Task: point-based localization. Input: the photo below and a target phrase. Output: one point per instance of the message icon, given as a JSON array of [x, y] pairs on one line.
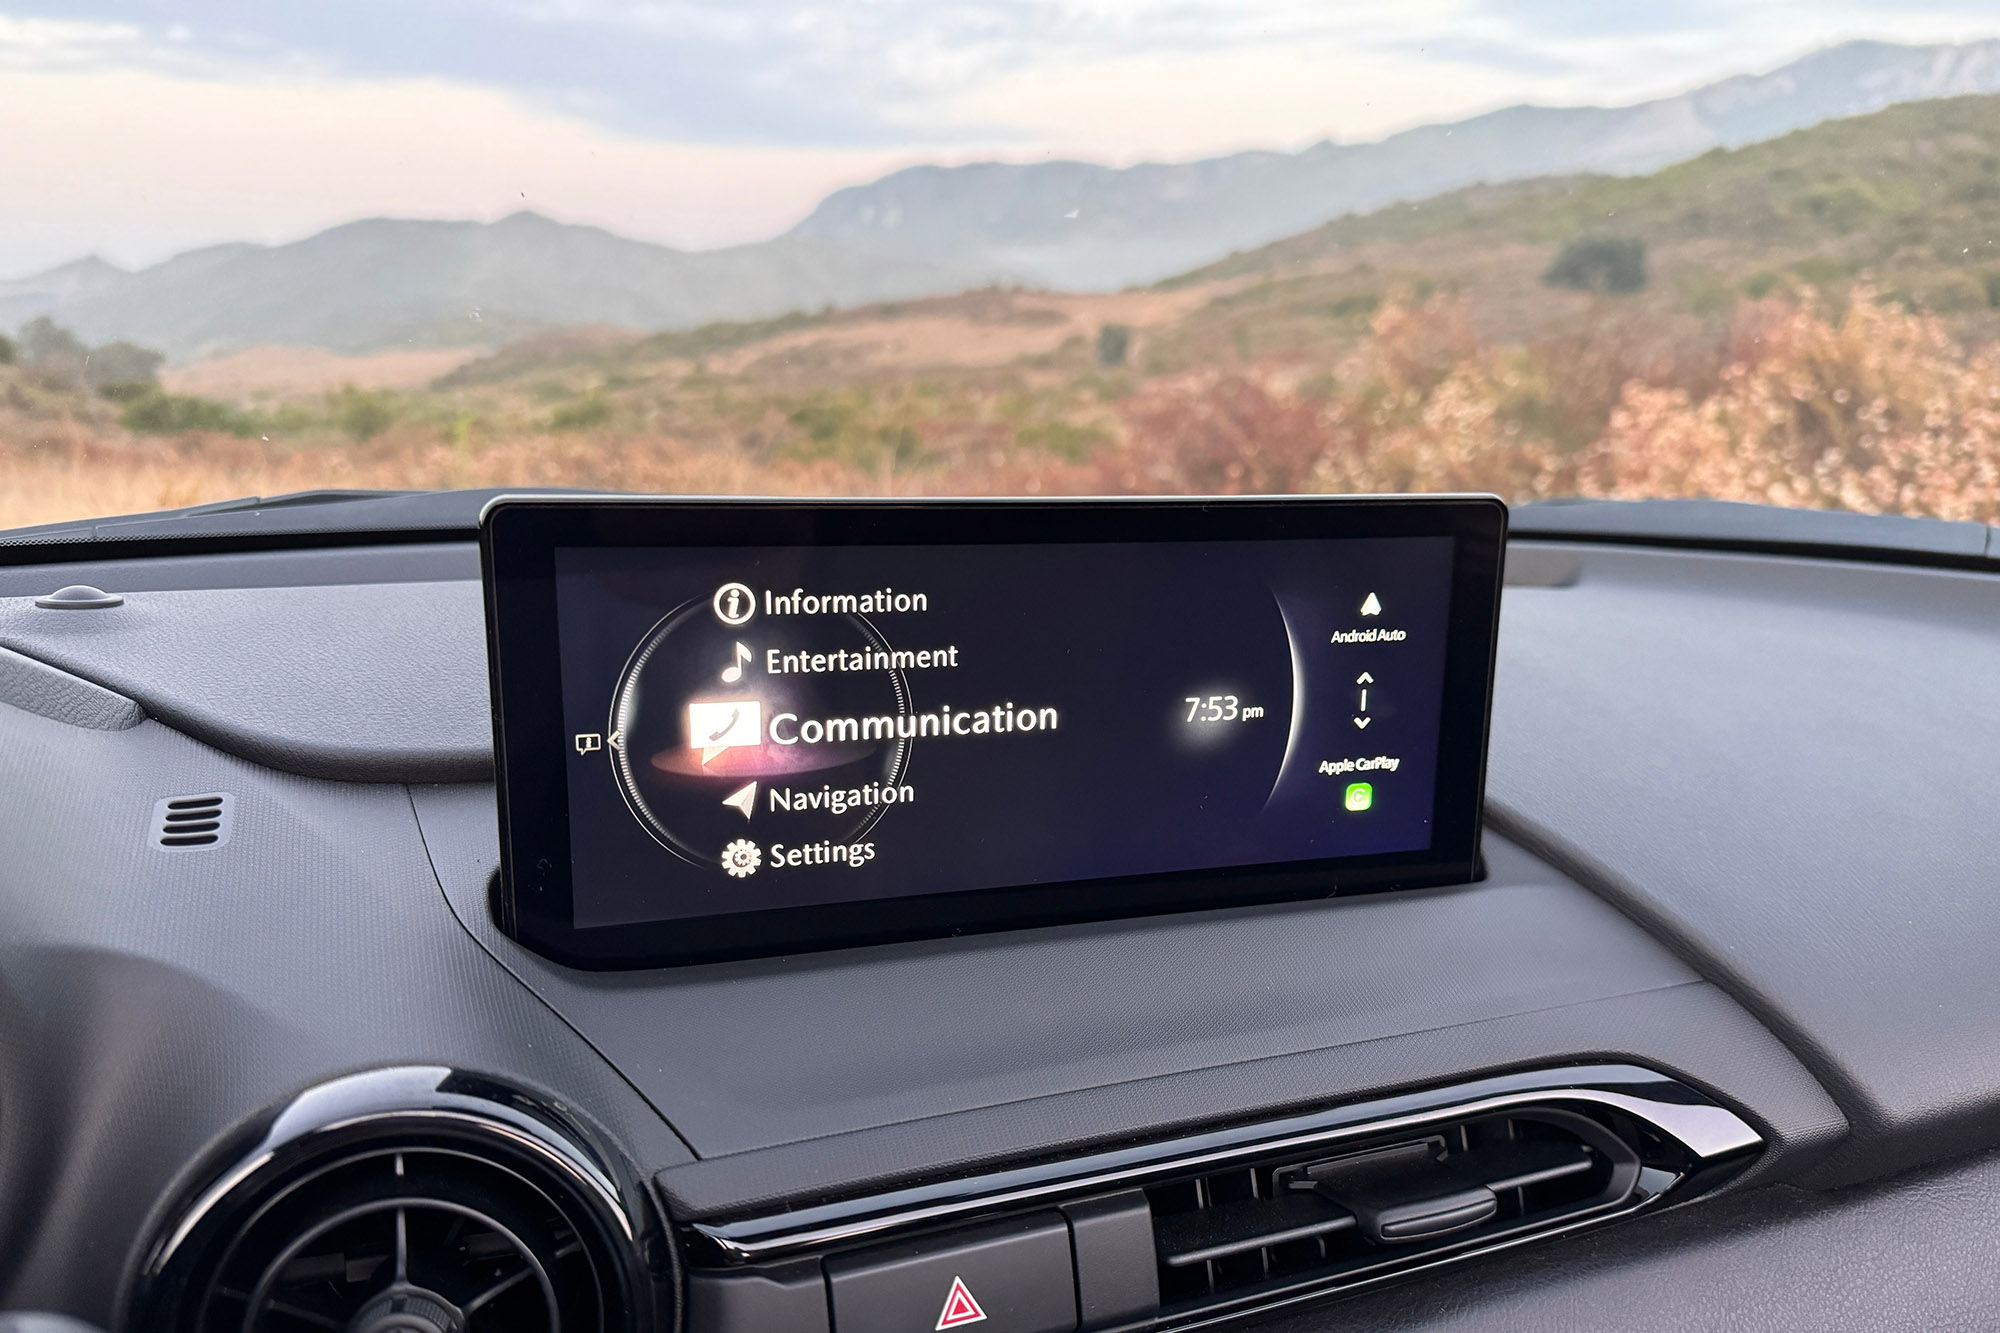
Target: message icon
[[715, 727]]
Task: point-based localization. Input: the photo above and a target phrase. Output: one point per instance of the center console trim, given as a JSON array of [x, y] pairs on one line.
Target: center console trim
[[1715, 1136]]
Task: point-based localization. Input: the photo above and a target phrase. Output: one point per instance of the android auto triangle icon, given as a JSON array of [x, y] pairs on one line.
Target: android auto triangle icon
[[959, 1307]]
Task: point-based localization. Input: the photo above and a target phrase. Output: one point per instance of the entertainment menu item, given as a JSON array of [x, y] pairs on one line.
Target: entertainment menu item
[[737, 728]]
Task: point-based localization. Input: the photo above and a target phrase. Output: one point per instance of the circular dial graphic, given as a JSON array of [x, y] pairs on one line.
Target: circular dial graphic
[[700, 714]]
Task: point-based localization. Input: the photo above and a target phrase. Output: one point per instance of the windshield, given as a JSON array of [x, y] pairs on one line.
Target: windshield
[[1541, 248]]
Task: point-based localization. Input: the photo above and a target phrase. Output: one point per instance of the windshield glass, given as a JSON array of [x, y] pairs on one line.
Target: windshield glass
[[1536, 247]]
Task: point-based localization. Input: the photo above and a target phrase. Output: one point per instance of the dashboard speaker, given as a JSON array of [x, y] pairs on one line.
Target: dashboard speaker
[[183, 823], [459, 1211]]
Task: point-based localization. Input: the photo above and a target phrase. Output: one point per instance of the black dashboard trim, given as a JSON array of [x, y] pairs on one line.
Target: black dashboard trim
[[1714, 1135]]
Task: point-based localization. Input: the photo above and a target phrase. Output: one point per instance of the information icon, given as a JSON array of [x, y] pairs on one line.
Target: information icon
[[734, 604]]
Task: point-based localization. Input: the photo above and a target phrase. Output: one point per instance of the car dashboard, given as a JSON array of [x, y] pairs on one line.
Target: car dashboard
[[1714, 1040]]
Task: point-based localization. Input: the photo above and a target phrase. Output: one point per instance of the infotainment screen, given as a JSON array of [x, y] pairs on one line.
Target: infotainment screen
[[735, 728]]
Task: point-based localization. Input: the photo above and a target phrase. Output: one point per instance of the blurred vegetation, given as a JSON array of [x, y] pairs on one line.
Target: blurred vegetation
[[586, 413], [1599, 264], [1113, 342], [156, 413], [57, 357], [361, 415], [121, 368]]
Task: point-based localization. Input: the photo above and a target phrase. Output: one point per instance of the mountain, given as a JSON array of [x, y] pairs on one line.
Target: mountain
[[78, 280], [931, 230], [1079, 226], [383, 282]]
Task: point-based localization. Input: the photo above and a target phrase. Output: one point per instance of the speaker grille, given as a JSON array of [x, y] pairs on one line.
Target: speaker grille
[[187, 823]]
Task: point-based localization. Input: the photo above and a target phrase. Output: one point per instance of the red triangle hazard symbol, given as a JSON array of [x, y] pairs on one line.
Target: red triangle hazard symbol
[[959, 1307]]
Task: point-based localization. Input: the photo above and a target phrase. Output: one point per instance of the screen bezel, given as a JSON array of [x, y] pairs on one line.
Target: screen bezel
[[519, 537]]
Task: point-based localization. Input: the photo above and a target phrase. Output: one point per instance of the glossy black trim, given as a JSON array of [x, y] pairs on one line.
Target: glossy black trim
[[518, 538], [1713, 1137]]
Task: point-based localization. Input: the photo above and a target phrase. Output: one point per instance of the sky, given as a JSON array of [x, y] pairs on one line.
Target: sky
[[135, 129]]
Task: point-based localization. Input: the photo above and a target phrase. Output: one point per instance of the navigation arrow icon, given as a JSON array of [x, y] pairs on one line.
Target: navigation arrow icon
[[743, 799], [1364, 679], [1362, 722], [1371, 607]]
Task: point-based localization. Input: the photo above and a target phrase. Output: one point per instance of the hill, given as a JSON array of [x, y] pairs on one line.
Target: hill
[[1904, 198], [383, 282], [1075, 226], [1081, 226]]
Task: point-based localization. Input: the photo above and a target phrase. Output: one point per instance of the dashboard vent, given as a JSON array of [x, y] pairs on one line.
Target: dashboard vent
[[1258, 1228], [182, 823], [408, 1240], [467, 1215], [1179, 1233]]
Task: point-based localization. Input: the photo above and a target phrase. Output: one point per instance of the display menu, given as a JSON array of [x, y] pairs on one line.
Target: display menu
[[748, 729]]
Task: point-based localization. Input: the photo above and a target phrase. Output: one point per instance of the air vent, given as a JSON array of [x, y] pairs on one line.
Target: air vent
[[443, 1239], [185, 823], [1177, 1233], [461, 1213], [1258, 1228]]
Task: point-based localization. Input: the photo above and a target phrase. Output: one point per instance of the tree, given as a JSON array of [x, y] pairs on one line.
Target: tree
[[121, 368], [6, 350], [1113, 342], [1600, 264], [52, 351]]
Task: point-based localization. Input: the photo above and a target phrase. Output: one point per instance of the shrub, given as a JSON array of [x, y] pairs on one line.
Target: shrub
[[1600, 264], [585, 413], [1876, 411], [155, 413], [362, 415], [52, 351], [1066, 440], [121, 365], [1114, 341], [6, 350]]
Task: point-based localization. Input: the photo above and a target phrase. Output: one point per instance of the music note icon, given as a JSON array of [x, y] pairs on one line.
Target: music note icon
[[734, 671]]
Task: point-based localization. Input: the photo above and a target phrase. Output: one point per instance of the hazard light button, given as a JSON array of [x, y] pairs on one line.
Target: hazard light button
[[1006, 1277]]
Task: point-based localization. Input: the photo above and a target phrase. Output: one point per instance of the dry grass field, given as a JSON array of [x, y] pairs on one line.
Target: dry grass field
[[1869, 407]]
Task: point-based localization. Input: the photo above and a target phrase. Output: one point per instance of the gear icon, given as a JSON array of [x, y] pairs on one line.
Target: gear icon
[[741, 858]]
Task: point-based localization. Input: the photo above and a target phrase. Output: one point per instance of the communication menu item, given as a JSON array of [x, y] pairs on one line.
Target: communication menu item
[[731, 728]]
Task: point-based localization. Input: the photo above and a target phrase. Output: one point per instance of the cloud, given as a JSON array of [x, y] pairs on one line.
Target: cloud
[[156, 124], [872, 73], [851, 72]]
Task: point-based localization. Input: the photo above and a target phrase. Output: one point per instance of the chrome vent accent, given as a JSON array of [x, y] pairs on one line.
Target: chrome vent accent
[[183, 823]]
